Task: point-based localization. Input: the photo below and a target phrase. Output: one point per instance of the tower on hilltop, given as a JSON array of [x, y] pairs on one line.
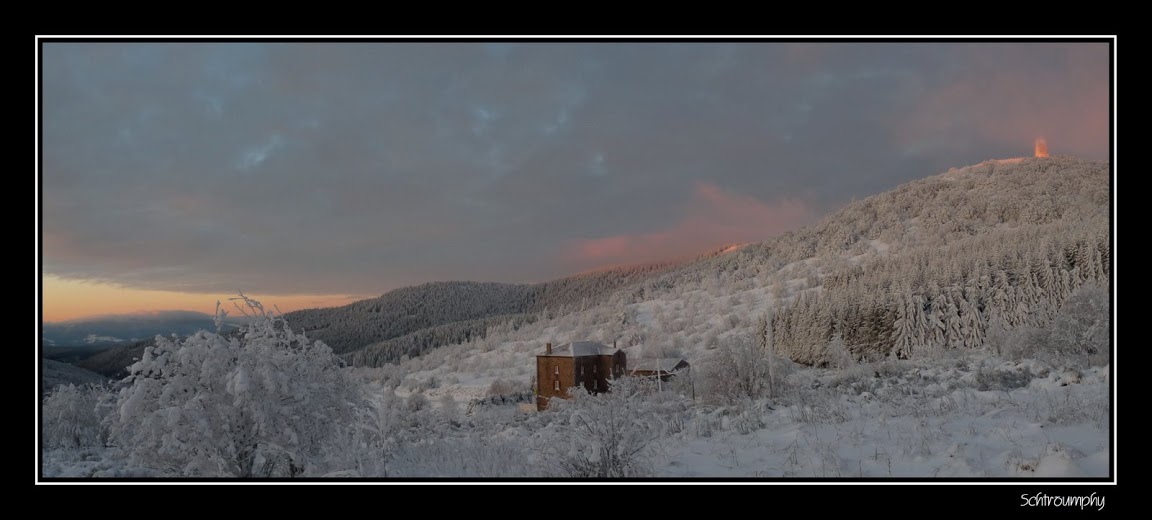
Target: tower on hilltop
[[1041, 147]]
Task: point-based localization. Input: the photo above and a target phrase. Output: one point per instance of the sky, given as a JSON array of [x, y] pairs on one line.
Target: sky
[[317, 173]]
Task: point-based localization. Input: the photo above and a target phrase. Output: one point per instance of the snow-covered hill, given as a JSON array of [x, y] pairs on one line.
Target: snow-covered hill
[[994, 243], [56, 373]]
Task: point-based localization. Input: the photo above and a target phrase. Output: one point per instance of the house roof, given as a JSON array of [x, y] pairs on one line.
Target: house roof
[[653, 365], [582, 348]]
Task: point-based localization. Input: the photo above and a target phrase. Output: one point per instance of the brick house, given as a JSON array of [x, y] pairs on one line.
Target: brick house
[[581, 363]]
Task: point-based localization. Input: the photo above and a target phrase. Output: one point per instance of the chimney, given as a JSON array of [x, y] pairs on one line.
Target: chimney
[[548, 348], [613, 343]]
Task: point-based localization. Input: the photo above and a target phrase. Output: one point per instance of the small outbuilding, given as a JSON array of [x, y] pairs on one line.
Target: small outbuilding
[[664, 368]]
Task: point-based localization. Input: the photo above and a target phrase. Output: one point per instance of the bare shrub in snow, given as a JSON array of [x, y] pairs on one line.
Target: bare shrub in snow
[[1064, 406], [743, 367], [1002, 378], [819, 407], [744, 417]]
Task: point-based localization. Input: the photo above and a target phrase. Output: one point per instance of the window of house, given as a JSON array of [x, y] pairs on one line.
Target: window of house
[[593, 369], [556, 384], [595, 383], [556, 369], [581, 370]]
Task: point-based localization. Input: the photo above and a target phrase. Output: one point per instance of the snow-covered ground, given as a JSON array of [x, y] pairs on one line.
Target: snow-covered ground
[[928, 421], [958, 416]]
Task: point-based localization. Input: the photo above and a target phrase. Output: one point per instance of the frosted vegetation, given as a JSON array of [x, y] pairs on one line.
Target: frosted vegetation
[[956, 326]]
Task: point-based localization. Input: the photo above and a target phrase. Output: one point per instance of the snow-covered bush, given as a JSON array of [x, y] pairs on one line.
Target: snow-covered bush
[[837, 354], [71, 417], [501, 387], [264, 402], [449, 409], [1078, 335], [1082, 327], [606, 435], [416, 402], [382, 426]]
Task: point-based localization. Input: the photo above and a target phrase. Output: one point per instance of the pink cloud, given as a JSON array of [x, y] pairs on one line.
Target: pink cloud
[[714, 218]]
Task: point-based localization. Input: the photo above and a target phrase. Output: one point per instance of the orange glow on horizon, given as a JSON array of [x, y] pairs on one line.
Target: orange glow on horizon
[[1041, 147], [71, 299]]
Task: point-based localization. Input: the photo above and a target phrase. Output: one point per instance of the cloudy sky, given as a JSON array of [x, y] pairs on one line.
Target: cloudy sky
[[317, 172]]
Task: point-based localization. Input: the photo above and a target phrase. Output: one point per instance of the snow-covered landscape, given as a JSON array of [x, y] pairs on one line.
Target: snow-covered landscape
[[957, 416], [975, 387]]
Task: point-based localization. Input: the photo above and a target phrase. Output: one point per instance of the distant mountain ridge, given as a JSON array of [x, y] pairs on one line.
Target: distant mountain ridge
[[439, 313], [123, 328]]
